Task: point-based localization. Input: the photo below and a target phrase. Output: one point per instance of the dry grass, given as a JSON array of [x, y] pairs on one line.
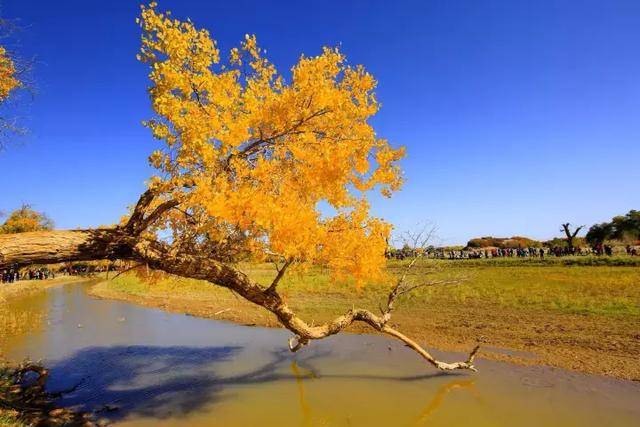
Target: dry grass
[[592, 290], [8, 417]]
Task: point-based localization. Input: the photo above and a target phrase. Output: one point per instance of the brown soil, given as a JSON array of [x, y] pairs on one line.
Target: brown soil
[[581, 343]]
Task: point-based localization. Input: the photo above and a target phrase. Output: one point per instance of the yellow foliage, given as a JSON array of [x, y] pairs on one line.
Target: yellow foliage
[[257, 153], [24, 220], [8, 80]]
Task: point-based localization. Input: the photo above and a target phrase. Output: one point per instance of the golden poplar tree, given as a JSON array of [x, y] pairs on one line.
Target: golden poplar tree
[[252, 153], [24, 220], [252, 163]]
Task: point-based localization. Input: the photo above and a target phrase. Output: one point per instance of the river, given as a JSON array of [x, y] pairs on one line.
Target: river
[[136, 366]]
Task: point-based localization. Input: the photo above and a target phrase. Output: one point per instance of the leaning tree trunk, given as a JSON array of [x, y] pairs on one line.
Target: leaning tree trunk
[[51, 247], [127, 242]]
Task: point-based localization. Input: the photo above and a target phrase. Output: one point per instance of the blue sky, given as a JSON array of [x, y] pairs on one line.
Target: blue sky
[[516, 115]]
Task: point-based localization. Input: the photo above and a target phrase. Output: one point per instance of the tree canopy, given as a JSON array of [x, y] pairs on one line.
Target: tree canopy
[[503, 242], [252, 154], [24, 220], [621, 227], [12, 78], [8, 78]]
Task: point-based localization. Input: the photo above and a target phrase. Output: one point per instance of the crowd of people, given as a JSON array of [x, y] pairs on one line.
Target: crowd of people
[[494, 253], [13, 275], [524, 252], [556, 251]]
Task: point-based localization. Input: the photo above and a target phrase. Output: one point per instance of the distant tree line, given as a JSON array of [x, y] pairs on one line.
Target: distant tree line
[[623, 228], [518, 242], [504, 242], [601, 239]]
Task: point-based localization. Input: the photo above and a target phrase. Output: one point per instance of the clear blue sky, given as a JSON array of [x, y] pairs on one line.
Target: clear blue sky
[[517, 115]]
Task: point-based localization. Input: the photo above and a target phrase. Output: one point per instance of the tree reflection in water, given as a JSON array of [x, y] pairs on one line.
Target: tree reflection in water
[[442, 392], [433, 405]]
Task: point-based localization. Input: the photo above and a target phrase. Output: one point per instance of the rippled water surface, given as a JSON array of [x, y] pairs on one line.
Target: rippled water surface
[[138, 366]]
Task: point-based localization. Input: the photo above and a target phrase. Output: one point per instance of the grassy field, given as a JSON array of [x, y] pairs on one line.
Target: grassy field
[[9, 419], [581, 313], [595, 290]]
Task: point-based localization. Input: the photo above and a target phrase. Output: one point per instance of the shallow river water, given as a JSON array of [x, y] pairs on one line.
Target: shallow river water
[[138, 366]]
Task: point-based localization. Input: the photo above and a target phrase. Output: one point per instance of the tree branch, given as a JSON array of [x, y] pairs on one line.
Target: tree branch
[[138, 222], [279, 276], [138, 211], [577, 230], [224, 275], [157, 212], [268, 140]]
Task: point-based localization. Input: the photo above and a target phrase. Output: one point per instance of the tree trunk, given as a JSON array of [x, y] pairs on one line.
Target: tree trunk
[[50, 247]]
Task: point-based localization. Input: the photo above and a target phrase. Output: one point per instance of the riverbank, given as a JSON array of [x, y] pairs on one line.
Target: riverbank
[[578, 317], [27, 287]]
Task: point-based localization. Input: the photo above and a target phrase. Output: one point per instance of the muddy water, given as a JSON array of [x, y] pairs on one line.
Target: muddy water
[[137, 366]]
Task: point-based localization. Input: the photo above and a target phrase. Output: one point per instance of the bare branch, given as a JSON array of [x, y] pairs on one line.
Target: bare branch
[[418, 241], [158, 211], [279, 276], [296, 343], [566, 227], [138, 211], [251, 147], [455, 281]]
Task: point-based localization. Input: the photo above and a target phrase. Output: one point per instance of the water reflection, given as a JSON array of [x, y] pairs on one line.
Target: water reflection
[[442, 392], [308, 419], [122, 382], [23, 315], [140, 380], [305, 409]]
